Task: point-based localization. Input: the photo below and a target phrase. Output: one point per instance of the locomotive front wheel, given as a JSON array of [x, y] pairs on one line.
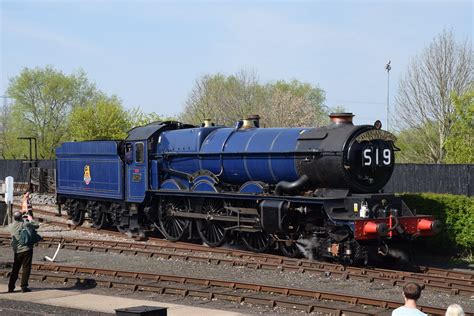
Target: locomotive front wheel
[[256, 241], [289, 248], [172, 227], [212, 232]]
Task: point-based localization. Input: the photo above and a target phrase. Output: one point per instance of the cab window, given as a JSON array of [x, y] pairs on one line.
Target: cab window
[[139, 152]]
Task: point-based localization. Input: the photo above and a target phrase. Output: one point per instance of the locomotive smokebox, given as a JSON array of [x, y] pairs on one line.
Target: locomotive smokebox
[[341, 118]]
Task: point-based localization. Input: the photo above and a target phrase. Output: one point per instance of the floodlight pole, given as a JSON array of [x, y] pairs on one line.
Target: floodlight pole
[[30, 161], [388, 68]]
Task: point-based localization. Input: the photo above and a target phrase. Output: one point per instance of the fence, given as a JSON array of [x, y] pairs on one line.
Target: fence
[[42, 178], [454, 179]]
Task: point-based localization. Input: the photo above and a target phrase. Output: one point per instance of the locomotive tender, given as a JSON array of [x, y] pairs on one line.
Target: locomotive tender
[[313, 190]]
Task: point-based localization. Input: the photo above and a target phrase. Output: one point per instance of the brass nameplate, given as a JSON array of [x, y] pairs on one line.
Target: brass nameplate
[[376, 134]]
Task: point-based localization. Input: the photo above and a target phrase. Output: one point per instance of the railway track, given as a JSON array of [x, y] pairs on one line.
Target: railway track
[[439, 280], [215, 289], [449, 281]]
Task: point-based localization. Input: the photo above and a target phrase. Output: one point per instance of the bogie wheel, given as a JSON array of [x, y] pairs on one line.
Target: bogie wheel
[[211, 231], [256, 241], [75, 211], [98, 216], [289, 248], [120, 217], [172, 227]]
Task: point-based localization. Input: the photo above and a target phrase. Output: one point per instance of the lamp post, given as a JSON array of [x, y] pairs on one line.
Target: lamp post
[[388, 68]]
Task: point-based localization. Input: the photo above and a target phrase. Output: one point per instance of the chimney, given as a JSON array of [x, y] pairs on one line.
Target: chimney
[[341, 118]]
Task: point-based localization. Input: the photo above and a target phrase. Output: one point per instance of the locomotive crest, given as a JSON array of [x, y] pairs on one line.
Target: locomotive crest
[[87, 174], [376, 134]]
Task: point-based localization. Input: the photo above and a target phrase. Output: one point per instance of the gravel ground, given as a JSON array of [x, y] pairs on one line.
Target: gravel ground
[[8, 306], [243, 274]]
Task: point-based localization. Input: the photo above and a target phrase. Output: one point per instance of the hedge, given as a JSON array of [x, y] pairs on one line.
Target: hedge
[[456, 213]]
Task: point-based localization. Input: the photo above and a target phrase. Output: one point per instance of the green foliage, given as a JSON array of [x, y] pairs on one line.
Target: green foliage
[[43, 99], [54, 107], [227, 99], [136, 117], [104, 119], [460, 143], [413, 145], [223, 99], [456, 212], [425, 107], [294, 103]]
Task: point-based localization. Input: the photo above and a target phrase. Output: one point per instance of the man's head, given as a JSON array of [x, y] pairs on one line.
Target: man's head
[[18, 216], [412, 291]]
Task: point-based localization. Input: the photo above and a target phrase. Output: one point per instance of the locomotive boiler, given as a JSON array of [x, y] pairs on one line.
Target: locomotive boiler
[[306, 190]]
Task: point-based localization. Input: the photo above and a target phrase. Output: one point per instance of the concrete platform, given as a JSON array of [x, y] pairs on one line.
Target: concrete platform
[[102, 303]]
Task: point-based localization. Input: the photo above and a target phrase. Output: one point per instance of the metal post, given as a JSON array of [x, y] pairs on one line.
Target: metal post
[[36, 153], [30, 162], [388, 68]]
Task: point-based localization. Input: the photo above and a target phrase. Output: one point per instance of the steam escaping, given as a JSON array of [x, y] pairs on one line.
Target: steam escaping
[[398, 254], [308, 247]]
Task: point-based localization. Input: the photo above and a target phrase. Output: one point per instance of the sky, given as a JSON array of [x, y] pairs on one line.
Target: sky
[[150, 53]]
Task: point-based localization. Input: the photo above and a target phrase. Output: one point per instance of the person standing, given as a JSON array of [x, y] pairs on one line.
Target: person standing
[[23, 253], [26, 206], [411, 293]]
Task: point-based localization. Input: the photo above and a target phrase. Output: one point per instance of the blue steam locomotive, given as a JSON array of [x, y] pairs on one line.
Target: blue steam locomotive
[[312, 190]]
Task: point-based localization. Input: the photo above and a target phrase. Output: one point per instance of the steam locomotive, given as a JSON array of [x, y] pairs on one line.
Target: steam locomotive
[[305, 190]]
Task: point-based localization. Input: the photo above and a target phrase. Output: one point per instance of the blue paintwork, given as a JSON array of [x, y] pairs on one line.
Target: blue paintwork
[[173, 184], [105, 166], [183, 141], [154, 179], [204, 177], [137, 176], [252, 187], [204, 186], [236, 156]]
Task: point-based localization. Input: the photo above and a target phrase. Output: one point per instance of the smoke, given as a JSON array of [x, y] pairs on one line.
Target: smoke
[[398, 254], [308, 247]]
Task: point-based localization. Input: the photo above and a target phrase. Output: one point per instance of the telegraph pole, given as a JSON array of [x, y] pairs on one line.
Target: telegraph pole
[[388, 68]]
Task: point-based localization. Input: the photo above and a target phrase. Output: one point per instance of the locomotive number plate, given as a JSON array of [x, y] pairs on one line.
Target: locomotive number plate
[[371, 156]]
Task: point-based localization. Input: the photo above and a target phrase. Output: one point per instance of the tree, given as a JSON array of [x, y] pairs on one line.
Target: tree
[[287, 106], [43, 99], [104, 119], [304, 103], [227, 99], [460, 143], [412, 144], [4, 127], [224, 99], [136, 117], [424, 100]]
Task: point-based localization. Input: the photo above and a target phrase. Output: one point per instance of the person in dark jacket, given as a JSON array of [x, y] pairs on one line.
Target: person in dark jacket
[[23, 253]]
